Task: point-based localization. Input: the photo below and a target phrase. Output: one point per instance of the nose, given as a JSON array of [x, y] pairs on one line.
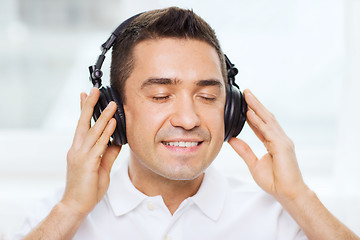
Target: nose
[[185, 114]]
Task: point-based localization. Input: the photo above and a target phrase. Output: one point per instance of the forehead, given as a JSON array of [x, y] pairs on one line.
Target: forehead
[[183, 59]]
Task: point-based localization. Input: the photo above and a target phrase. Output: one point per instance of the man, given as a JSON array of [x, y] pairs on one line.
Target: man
[[169, 70]]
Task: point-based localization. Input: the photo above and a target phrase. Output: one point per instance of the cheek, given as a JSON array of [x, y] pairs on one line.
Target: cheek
[[218, 134], [142, 122], [220, 128], [215, 123]]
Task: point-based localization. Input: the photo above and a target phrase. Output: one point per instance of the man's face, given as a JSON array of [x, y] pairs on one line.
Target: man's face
[[174, 109]]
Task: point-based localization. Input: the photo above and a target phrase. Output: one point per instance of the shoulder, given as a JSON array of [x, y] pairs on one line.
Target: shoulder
[[250, 195], [248, 204], [236, 193]]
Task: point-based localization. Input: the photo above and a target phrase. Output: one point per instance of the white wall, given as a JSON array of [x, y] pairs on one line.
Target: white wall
[[300, 58]]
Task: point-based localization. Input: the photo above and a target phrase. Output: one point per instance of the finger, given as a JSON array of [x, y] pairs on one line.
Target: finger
[[260, 128], [270, 129], [84, 122], [255, 129], [88, 107], [83, 97], [258, 107], [98, 129], [106, 164], [100, 145], [244, 151], [109, 157]]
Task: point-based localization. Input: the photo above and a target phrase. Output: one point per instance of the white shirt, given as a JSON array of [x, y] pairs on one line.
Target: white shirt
[[223, 208]]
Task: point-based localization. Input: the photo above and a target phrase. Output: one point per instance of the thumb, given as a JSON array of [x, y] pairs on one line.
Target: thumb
[[244, 151]]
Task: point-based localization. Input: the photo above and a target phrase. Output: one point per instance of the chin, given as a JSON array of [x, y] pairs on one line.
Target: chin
[[182, 177], [182, 173]]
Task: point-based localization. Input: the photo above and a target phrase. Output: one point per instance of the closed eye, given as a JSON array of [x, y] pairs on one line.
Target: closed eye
[[160, 98], [207, 97], [210, 99]]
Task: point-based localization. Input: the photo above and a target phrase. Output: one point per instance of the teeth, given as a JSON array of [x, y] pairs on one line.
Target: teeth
[[182, 144]]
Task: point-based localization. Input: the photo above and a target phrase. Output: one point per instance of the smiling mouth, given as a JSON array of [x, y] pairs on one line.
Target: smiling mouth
[[182, 144]]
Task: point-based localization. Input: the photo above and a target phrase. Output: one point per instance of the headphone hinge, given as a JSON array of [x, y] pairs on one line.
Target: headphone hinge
[[95, 76]]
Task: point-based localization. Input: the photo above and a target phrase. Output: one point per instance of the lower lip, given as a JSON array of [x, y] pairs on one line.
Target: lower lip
[[182, 149]]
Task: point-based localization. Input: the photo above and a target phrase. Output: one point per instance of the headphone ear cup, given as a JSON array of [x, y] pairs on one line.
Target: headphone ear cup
[[100, 105], [242, 115], [228, 113], [120, 131], [235, 112], [107, 94]]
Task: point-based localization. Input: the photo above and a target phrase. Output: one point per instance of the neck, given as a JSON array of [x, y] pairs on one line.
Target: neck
[[173, 192]]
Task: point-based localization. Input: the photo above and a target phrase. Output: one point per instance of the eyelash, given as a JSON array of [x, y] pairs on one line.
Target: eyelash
[[164, 98], [209, 99], [161, 98]]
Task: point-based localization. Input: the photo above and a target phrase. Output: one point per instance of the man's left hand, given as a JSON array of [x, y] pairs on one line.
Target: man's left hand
[[277, 172]]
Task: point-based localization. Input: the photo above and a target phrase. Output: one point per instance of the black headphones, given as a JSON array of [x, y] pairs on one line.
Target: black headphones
[[235, 106]]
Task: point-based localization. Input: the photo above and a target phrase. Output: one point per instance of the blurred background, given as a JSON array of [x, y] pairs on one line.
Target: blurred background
[[300, 57]]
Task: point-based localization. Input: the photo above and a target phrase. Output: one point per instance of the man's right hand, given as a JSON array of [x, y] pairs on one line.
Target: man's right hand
[[89, 160]]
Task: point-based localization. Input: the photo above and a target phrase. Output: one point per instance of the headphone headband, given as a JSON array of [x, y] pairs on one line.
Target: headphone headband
[[95, 70]]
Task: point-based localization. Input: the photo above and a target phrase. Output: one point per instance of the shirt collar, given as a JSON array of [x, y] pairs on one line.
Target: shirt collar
[[211, 195], [210, 198], [122, 194]]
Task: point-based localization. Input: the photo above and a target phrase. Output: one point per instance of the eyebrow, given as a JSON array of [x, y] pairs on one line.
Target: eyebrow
[[209, 82], [171, 81], [159, 81]]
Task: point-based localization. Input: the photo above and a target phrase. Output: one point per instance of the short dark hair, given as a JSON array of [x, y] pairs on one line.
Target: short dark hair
[[170, 22]]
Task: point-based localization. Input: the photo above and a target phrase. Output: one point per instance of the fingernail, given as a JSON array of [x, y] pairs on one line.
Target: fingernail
[[111, 104]]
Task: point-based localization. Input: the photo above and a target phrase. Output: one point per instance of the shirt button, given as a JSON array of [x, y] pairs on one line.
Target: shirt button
[[167, 237], [150, 206]]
